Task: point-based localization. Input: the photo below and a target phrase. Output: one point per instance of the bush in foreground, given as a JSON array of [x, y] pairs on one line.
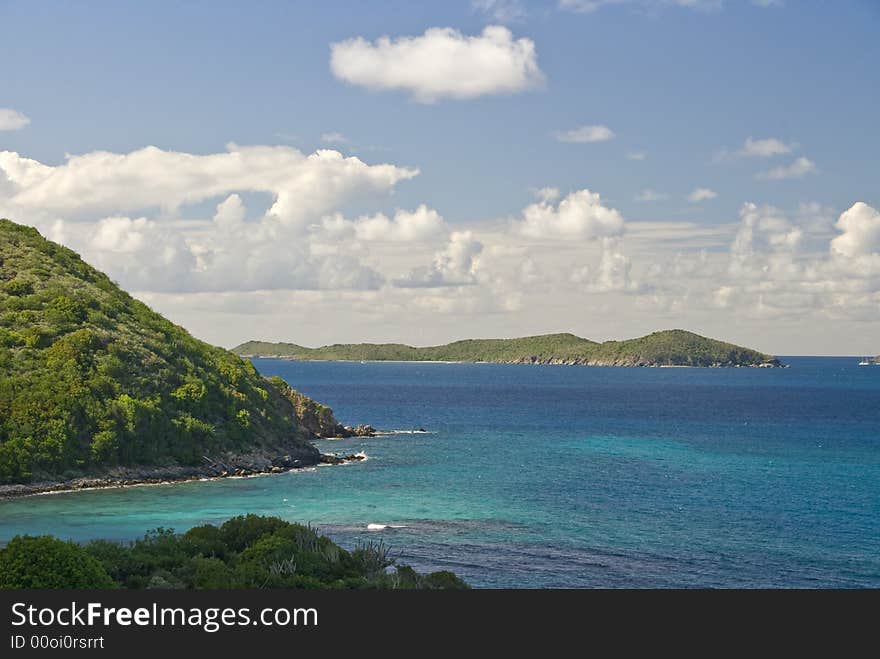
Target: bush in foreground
[[46, 562], [245, 552]]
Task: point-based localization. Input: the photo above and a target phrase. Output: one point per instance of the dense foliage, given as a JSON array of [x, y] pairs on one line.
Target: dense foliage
[[671, 347], [244, 552], [46, 562], [92, 377], [494, 350], [679, 348]]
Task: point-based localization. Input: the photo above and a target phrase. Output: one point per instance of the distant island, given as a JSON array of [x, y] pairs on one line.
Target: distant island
[[666, 348], [99, 390]]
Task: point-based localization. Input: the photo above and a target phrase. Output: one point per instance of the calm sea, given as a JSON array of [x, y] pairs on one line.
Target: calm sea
[[555, 476]]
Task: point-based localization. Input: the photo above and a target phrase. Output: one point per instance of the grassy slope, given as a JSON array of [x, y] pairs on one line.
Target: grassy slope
[[670, 347], [93, 378]]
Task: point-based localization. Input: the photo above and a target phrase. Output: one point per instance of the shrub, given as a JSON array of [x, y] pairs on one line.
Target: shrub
[[46, 562]]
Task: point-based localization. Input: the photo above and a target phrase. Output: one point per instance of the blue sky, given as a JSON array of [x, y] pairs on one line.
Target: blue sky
[[683, 87], [676, 84]]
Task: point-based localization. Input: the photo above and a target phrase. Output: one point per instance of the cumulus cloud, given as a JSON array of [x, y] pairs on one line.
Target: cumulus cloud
[[649, 194], [636, 155], [405, 226], [701, 194], [860, 225], [579, 215], [441, 63], [231, 255], [104, 183], [137, 252], [455, 265], [230, 212], [612, 273], [764, 228], [764, 148], [12, 120], [586, 134], [89, 203], [770, 272], [797, 169]]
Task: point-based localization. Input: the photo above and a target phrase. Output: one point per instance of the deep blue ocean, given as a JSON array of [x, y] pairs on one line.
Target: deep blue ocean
[[561, 476]]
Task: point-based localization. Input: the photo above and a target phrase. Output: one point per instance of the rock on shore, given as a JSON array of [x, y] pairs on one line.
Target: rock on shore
[[224, 466]]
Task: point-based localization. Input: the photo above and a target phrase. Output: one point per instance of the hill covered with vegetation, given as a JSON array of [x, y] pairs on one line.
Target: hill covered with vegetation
[[666, 348], [93, 379], [244, 552]]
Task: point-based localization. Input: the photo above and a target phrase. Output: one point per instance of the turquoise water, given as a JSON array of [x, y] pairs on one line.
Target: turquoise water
[[538, 476]]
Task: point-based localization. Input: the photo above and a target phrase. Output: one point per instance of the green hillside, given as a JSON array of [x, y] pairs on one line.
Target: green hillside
[[494, 350], [92, 378], [666, 348]]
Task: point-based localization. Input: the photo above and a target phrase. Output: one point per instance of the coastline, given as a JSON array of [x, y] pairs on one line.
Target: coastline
[[125, 477], [774, 363]]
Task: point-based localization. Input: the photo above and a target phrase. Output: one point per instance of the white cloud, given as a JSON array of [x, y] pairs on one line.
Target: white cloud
[[406, 226], [139, 253], [455, 265], [649, 194], [586, 134], [766, 4], [589, 6], [764, 148], [636, 155], [503, 11], [772, 273], [701, 194], [88, 201], [797, 169], [103, 183], [764, 228], [860, 225], [334, 138], [580, 215], [547, 194], [612, 273], [226, 255], [230, 212], [528, 272], [12, 120], [441, 63]]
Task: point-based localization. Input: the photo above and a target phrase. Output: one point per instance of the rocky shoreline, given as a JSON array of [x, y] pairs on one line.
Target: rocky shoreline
[[634, 362], [230, 466], [623, 362]]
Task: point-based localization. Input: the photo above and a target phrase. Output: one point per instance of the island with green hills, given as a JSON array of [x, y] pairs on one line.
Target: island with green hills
[[666, 348], [99, 390]]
